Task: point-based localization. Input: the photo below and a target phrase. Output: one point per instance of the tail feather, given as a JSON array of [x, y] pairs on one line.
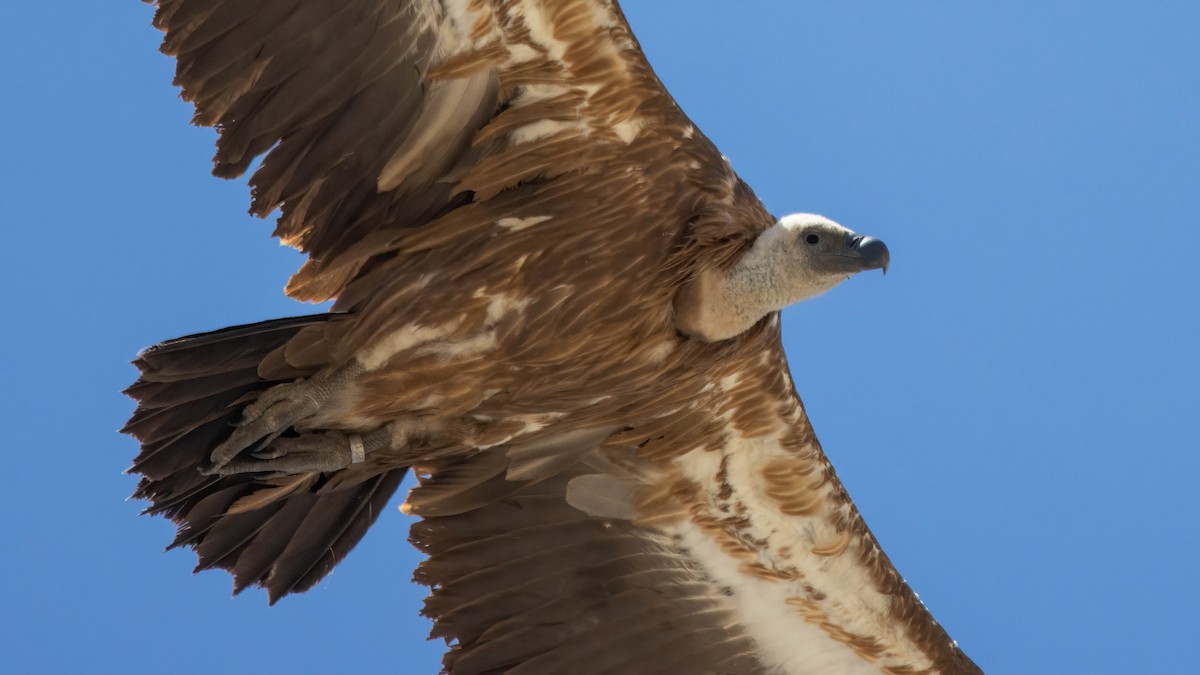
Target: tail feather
[[283, 536], [324, 528], [149, 424], [353, 531], [254, 564], [173, 455], [235, 535], [204, 514], [165, 394], [221, 351]]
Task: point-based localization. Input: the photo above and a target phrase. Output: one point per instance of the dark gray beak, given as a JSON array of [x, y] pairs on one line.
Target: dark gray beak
[[872, 252]]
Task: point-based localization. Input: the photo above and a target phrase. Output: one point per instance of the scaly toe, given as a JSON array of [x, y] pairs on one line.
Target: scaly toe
[[243, 438], [279, 394]]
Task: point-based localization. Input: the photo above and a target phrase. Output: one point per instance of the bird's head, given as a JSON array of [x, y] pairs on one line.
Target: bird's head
[[806, 255], [797, 258]]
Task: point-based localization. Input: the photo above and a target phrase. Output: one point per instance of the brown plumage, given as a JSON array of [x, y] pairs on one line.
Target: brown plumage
[[505, 203]]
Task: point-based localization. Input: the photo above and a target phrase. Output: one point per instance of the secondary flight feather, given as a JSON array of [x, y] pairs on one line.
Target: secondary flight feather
[[558, 306]]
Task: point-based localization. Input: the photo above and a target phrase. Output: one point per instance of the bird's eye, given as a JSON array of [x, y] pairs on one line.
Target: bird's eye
[[812, 239]]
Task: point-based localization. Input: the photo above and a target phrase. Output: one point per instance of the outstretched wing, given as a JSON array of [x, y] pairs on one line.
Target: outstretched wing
[[715, 539], [378, 117]]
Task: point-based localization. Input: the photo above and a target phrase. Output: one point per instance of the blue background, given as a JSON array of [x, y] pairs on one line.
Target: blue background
[[1012, 407]]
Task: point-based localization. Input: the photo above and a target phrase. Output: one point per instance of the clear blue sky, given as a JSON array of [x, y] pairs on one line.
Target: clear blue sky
[[1013, 407]]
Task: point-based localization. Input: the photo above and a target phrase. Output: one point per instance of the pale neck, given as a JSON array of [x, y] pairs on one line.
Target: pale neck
[[718, 304]]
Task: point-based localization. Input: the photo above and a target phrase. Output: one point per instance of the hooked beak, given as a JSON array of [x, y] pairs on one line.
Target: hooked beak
[[871, 252]]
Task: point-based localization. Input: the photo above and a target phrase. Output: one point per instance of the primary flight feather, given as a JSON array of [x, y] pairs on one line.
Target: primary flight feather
[[558, 306]]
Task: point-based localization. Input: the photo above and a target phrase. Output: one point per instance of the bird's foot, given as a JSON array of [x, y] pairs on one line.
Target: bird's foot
[[316, 451], [275, 411]]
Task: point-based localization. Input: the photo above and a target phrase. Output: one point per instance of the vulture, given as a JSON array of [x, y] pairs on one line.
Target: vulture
[[554, 303]]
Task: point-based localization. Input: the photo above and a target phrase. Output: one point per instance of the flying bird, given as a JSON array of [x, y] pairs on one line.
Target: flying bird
[[558, 306]]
